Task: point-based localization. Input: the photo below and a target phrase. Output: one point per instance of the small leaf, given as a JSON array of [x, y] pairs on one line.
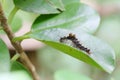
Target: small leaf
[[4, 58], [16, 66], [16, 24], [40, 6], [69, 75], [101, 55], [76, 17]]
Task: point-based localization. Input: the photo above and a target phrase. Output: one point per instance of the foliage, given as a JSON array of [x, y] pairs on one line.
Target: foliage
[[59, 18], [9, 69]]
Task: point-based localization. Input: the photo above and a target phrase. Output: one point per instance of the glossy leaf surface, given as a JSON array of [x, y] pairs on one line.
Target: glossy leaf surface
[[40, 6], [77, 19], [77, 16], [98, 54]]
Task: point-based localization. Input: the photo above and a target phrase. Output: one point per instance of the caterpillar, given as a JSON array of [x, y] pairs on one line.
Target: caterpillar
[[75, 41]]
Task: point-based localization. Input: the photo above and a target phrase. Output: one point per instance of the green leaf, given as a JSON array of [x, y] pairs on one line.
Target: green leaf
[[66, 2], [18, 75], [40, 6], [69, 75], [16, 24], [4, 58], [77, 17], [7, 6], [57, 4], [16, 66], [102, 55]]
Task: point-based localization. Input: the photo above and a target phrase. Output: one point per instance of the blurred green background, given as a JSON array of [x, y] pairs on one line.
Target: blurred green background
[[51, 64]]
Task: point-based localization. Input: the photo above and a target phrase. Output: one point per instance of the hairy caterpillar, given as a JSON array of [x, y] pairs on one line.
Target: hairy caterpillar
[[75, 42]]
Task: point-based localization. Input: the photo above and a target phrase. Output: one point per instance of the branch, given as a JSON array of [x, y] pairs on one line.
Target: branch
[[16, 45]]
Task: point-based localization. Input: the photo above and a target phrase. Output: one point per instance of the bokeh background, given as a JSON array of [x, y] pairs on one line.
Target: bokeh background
[[49, 61]]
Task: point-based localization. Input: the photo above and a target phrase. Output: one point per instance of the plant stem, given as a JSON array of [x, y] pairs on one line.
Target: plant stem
[[12, 14], [15, 57], [17, 45]]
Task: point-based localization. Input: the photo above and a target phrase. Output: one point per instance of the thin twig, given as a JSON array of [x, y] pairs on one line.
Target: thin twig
[[15, 57], [17, 45]]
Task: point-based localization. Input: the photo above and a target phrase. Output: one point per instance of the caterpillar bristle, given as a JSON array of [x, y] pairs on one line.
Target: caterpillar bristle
[[74, 40]]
